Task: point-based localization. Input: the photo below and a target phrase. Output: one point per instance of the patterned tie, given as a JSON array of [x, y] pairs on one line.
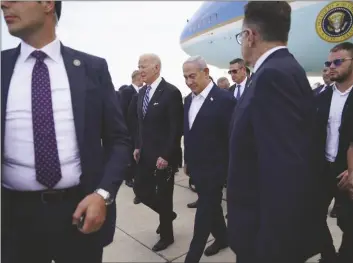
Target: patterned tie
[[48, 170], [238, 93], [146, 100]]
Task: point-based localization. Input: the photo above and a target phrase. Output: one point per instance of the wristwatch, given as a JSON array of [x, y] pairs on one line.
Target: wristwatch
[[105, 195]]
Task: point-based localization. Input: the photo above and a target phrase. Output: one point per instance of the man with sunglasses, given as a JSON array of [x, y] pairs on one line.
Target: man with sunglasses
[[334, 122], [273, 207], [237, 70]]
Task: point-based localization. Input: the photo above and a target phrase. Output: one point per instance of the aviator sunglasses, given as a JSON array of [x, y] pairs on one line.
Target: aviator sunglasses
[[337, 62]]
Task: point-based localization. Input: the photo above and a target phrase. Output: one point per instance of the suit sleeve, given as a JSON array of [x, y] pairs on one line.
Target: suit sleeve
[[175, 118], [132, 117], [284, 177], [115, 137], [124, 101]]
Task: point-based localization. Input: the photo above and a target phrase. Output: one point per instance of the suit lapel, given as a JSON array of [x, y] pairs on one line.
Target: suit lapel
[[205, 106], [156, 95], [326, 106], [76, 73], [347, 105], [7, 67]]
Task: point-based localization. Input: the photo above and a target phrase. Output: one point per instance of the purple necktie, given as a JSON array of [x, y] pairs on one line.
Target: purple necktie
[[48, 170]]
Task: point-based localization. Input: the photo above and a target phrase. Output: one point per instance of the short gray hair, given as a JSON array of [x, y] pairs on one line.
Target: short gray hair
[[153, 57], [221, 79], [198, 60]]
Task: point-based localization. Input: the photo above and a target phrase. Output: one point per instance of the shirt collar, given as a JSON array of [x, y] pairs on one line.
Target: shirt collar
[[205, 92], [341, 93], [265, 56], [135, 87], [155, 84], [243, 83], [53, 50]]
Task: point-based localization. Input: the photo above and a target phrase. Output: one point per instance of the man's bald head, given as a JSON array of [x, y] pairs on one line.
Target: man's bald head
[[150, 67]]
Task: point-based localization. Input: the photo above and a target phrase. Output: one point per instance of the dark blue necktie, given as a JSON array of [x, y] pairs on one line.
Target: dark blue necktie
[[238, 93], [47, 164]]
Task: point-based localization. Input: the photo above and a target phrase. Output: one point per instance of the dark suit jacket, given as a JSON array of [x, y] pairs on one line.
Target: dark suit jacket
[[272, 191], [132, 117], [159, 132], [103, 140], [318, 90], [323, 105], [206, 144], [126, 94], [233, 87]]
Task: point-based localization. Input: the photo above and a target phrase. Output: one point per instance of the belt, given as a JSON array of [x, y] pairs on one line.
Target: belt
[[45, 196]]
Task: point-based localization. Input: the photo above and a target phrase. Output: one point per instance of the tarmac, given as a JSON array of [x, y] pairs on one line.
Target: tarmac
[[136, 226]]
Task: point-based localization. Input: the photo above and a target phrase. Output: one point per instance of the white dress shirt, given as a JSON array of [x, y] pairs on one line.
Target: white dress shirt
[[19, 165], [197, 102], [334, 122], [265, 56], [242, 87], [154, 86]]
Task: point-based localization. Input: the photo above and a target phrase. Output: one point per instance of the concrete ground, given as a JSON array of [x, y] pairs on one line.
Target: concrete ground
[[136, 225]]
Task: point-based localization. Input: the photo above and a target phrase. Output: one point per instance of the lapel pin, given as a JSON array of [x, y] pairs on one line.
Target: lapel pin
[[211, 99], [77, 62], [156, 103]]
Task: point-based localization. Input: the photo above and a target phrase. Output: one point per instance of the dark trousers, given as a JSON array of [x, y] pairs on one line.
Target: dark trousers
[[131, 172], [34, 231], [155, 190], [328, 251], [208, 219], [345, 223]]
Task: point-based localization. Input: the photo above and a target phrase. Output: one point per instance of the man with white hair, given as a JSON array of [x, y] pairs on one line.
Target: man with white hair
[[207, 115], [159, 131], [223, 83]]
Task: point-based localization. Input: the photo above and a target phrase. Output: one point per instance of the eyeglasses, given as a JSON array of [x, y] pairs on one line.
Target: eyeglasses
[[337, 62], [239, 37]]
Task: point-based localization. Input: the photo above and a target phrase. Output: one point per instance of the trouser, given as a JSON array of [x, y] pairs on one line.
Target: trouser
[[208, 219], [155, 190], [38, 228]]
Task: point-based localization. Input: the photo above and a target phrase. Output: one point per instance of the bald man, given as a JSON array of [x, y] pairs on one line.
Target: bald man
[[157, 147]]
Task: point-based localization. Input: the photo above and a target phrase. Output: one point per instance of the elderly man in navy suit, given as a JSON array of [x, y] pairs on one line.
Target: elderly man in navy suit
[[65, 145], [207, 114], [273, 192]]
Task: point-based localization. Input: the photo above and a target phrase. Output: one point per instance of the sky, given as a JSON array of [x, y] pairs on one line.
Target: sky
[[121, 31]]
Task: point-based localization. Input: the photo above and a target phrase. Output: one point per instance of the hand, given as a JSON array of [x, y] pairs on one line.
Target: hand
[[161, 163], [343, 183], [94, 207], [137, 155]]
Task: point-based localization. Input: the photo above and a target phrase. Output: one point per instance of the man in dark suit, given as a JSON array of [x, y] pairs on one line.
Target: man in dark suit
[[349, 186], [334, 122], [207, 114], [272, 193], [238, 72], [126, 93], [327, 81], [65, 145], [160, 127]]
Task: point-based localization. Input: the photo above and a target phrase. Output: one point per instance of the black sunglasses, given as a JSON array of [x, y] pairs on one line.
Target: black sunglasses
[[337, 62], [233, 71]]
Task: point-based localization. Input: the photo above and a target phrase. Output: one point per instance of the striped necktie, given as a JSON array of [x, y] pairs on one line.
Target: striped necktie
[[146, 100]]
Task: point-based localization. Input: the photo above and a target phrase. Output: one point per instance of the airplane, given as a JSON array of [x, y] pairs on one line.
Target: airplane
[[316, 27]]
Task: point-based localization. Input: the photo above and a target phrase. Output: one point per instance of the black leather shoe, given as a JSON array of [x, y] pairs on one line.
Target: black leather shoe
[[137, 200], [162, 244], [158, 230], [215, 248], [192, 205]]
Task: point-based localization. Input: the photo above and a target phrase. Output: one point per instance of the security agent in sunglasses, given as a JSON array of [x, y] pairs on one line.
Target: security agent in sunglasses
[[334, 119], [239, 74]]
